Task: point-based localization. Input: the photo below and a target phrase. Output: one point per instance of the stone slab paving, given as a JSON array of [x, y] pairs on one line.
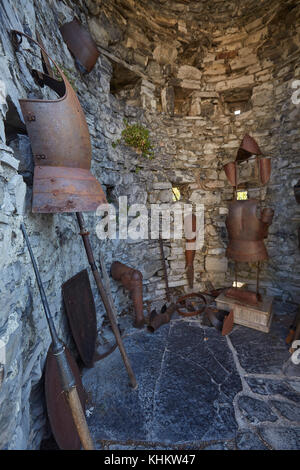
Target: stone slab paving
[[198, 390]]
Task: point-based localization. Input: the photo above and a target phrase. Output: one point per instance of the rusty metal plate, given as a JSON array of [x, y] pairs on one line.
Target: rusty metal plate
[[81, 312], [80, 43], [247, 148], [131, 279], [60, 417], [257, 171], [228, 323], [62, 189], [246, 232], [231, 172], [265, 170], [243, 296]]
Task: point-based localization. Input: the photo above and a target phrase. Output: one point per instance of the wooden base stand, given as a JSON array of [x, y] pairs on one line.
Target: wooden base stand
[[258, 317]]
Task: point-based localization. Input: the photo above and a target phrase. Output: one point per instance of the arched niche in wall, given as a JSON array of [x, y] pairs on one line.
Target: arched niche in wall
[[124, 84], [237, 101]]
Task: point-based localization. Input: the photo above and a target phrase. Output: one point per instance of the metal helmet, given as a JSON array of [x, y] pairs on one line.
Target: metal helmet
[[61, 147], [248, 148]]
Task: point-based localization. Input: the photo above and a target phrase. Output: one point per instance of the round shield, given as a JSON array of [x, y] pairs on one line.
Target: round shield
[[59, 413]]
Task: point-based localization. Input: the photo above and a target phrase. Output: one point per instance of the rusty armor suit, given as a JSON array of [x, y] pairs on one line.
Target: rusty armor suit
[[247, 232]]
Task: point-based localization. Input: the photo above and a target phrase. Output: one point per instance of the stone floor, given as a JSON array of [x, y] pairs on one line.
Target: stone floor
[[198, 390]]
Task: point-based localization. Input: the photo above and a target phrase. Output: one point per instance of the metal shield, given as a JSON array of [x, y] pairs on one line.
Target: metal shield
[[81, 312]]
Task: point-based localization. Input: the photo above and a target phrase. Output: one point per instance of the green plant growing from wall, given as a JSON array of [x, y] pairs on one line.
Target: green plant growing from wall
[[136, 136]]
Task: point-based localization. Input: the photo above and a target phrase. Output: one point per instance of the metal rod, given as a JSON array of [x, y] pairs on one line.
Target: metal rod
[[67, 377], [105, 298], [235, 274], [162, 254], [57, 344], [107, 284], [257, 278], [163, 259]]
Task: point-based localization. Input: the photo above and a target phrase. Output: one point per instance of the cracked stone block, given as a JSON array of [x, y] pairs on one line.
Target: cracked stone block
[[23, 153], [137, 446], [273, 387], [295, 385], [186, 387], [290, 411], [256, 411], [261, 353], [121, 413], [17, 190], [249, 440], [217, 446], [291, 370], [199, 369], [213, 264], [282, 438], [9, 160], [192, 389]]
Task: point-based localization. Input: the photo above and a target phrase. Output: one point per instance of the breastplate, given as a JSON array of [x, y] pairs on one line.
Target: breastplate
[[246, 232], [61, 146]]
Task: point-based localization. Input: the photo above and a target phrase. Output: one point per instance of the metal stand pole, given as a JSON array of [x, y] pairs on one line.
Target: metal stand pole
[[235, 274], [257, 279], [163, 259], [105, 299], [162, 254]]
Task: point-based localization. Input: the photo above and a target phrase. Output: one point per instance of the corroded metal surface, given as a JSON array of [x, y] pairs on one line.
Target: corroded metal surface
[[243, 295], [81, 312], [106, 298], [132, 280], [190, 253], [164, 266], [246, 232], [216, 317], [186, 305], [267, 215], [80, 43], [228, 323], [247, 148], [261, 167], [158, 319], [230, 172], [256, 171], [264, 170], [63, 386], [61, 147], [60, 416]]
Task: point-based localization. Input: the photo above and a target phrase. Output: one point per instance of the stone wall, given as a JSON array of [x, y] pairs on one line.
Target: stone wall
[[185, 96], [54, 238], [249, 64]]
